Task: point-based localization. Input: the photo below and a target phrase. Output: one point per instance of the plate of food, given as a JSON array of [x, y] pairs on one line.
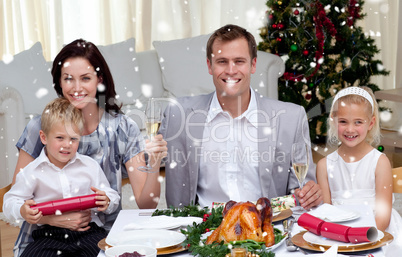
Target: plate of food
[[244, 225]]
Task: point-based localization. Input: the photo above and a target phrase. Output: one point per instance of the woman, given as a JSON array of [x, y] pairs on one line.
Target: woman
[[81, 74]]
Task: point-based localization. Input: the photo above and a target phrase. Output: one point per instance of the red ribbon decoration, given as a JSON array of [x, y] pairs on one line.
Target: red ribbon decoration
[[353, 12], [321, 20]]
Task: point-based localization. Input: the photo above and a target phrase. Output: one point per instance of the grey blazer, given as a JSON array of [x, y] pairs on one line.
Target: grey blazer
[[280, 125]]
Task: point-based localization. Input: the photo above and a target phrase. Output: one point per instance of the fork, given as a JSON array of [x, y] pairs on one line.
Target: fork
[[287, 227]]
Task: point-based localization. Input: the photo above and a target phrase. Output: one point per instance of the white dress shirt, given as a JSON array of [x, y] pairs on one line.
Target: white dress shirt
[[229, 156], [42, 181]]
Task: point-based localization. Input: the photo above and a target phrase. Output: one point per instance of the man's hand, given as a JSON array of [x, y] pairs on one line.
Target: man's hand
[[310, 195], [31, 216]]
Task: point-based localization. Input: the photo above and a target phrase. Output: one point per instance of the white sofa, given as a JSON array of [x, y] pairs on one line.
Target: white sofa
[[175, 68]]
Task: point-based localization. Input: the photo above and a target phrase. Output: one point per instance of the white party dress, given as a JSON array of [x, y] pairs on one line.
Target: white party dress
[[354, 183]]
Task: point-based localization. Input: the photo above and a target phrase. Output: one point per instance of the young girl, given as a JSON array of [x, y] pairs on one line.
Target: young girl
[[357, 173]]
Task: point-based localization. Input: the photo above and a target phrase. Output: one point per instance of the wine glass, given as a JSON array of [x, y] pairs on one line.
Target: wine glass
[[300, 162], [153, 113]]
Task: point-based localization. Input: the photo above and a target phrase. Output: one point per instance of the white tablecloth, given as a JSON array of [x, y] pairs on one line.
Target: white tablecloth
[[366, 219]]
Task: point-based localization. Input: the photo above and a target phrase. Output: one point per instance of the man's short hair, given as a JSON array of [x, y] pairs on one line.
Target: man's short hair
[[231, 32]]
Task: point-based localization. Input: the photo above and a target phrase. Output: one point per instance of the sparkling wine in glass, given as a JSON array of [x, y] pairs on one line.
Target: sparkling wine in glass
[[153, 113], [300, 162]]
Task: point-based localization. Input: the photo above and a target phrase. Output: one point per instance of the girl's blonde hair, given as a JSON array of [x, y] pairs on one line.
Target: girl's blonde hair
[[61, 110], [374, 135]]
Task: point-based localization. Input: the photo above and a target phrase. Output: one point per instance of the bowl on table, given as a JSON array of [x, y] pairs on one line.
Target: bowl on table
[[116, 251]]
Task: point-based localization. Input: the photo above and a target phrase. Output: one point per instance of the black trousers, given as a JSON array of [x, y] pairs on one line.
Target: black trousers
[[52, 241]]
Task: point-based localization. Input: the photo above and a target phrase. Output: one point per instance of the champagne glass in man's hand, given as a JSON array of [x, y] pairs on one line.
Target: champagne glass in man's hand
[[153, 113], [300, 162]]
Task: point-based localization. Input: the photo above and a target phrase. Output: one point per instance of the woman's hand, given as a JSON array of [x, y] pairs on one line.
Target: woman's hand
[[146, 185], [156, 149], [102, 200], [31, 216], [76, 221]]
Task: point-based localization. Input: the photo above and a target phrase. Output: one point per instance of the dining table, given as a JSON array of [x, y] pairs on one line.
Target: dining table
[[364, 212]]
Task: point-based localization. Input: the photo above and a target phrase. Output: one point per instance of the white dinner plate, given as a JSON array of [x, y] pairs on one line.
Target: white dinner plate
[[319, 240], [157, 238], [278, 244], [332, 213], [353, 216]]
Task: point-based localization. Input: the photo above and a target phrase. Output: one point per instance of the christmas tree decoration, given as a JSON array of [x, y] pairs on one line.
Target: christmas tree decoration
[[381, 148], [326, 51], [294, 47]]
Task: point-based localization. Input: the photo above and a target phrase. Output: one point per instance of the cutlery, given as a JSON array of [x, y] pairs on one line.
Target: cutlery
[[287, 227]]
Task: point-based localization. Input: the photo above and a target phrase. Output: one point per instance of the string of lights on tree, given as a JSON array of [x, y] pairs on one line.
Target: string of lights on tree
[[324, 51]]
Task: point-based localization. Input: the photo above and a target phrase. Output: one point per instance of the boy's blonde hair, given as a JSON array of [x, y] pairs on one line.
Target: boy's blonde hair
[[61, 110], [374, 135]]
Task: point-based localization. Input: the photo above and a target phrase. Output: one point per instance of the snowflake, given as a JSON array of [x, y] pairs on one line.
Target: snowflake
[[8, 58], [41, 92], [146, 90], [173, 164]]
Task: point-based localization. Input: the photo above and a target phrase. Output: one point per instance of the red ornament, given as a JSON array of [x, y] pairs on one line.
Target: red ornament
[[305, 52], [296, 12], [274, 26], [278, 39], [271, 16], [281, 26]]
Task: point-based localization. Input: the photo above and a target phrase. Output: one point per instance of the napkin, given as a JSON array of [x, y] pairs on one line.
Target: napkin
[[331, 252], [162, 222], [331, 213]]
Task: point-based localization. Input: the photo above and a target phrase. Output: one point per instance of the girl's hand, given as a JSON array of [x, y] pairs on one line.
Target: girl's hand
[[156, 149], [102, 199], [31, 216]]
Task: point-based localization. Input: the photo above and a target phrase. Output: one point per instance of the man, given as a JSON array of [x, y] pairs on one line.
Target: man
[[233, 144]]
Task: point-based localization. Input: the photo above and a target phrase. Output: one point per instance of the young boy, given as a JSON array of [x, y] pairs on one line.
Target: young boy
[[60, 172]]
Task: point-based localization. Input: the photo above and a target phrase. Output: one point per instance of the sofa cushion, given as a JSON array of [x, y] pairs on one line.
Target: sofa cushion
[[29, 73], [122, 60], [184, 66]]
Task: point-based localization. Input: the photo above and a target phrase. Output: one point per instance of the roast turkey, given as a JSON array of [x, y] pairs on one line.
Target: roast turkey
[[245, 220]]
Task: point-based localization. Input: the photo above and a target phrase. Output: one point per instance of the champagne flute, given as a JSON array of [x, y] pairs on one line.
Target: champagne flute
[[153, 113], [300, 163]]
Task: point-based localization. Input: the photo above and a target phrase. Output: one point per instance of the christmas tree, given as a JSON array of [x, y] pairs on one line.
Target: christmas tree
[[324, 51]]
